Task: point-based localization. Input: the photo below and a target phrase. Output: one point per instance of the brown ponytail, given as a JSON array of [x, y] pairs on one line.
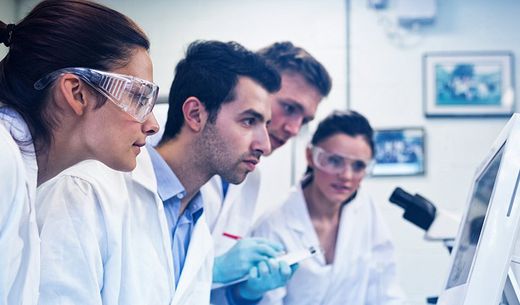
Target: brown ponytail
[[58, 34], [6, 33]]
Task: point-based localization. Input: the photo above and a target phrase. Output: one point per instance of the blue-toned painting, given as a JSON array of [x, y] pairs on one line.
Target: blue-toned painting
[[469, 84], [462, 84], [399, 152]]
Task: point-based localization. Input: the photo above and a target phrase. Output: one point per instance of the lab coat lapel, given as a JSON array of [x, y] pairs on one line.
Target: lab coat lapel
[[346, 256], [212, 197], [144, 175], [224, 205], [237, 211], [299, 221], [143, 172], [348, 236], [198, 251], [296, 210]]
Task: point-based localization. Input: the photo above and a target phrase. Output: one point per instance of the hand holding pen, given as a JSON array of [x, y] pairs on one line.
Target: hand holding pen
[[244, 255]]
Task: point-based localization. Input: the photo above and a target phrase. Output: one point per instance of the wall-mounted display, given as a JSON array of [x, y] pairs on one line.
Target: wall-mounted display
[[462, 84], [399, 152]]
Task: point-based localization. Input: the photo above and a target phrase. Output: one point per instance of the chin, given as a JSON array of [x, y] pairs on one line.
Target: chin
[[235, 178], [127, 166], [275, 144], [340, 198]]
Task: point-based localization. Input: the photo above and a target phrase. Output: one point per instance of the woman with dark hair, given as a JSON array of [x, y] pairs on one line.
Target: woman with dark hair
[[74, 85], [330, 211]]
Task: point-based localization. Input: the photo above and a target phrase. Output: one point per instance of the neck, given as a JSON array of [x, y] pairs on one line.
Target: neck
[[178, 154], [63, 152], [319, 207]]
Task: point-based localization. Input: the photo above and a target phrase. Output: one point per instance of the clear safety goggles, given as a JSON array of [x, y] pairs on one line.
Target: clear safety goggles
[[133, 95], [336, 164]]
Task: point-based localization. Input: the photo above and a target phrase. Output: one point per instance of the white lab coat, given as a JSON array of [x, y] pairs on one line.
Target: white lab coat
[[19, 242], [244, 207], [363, 271], [236, 214], [105, 240]]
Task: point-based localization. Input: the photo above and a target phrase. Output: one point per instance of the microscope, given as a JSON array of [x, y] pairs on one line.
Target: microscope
[[439, 225]]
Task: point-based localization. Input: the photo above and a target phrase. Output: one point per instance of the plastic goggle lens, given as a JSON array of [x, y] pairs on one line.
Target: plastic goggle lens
[[335, 164], [135, 96]]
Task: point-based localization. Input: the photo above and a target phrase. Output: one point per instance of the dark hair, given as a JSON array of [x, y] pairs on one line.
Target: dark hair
[[288, 58], [210, 72], [350, 123], [58, 34]]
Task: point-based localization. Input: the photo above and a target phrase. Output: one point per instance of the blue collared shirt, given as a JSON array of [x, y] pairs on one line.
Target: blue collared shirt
[[171, 192]]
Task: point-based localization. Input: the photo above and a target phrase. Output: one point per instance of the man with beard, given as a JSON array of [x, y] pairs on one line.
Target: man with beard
[[217, 125], [234, 210]]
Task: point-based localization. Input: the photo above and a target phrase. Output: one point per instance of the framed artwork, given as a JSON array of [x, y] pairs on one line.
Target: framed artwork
[[399, 152], [466, 84]]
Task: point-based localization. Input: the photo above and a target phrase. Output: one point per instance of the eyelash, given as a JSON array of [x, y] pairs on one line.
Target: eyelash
[[290, 109], [249, 121]]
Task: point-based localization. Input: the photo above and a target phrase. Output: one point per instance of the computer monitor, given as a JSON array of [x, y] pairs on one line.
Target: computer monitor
[[487, 236]]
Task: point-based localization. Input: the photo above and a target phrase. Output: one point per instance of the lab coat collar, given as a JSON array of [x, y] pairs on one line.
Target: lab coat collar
[[299, 221], [143, 172], [144, 175], [297, 210], [200, 245]]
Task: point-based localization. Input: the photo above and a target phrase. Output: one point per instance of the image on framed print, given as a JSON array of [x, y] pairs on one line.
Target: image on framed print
[[468, 84], [399, 152]]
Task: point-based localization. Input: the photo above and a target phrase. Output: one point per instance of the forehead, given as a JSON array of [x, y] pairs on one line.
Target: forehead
[[343, 144], [248, 96], [296, 89], [139, 65]]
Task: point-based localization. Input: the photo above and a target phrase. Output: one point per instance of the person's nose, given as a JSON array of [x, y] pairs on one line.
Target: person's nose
[[292, 127], [150, 125], [262, 143], [347, 173]]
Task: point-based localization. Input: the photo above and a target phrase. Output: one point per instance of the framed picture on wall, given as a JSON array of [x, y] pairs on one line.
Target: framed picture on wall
[[465, 84], [399, 152]]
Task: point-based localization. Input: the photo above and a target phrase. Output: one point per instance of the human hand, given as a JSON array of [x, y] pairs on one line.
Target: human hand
[[242, 257], [265, 277]]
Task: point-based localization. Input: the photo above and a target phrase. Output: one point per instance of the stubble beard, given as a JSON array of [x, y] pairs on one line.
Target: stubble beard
[[216, 156]]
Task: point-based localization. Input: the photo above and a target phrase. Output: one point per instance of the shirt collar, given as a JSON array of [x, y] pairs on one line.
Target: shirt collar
[[168, 185], [195, 207]]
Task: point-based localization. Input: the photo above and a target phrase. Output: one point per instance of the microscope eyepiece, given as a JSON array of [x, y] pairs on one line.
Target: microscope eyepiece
[[417, 209]]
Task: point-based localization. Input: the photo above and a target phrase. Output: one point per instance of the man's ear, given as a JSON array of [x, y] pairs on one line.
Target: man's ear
[[74, 93], [308, 156], [195, 114]]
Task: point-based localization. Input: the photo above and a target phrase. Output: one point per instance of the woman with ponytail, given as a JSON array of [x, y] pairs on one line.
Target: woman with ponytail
[[329, 210], [74, 85]]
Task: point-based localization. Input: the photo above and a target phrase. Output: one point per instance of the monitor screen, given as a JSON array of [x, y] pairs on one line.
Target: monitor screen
[[472, 229]]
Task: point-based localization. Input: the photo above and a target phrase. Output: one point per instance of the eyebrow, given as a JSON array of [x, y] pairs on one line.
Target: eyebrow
[[254, 113], [296, 104]]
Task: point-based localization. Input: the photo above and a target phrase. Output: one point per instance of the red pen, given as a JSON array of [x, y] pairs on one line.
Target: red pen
[[232, 236]]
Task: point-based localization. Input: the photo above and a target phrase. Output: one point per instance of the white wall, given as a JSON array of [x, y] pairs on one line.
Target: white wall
[[385, 85], [172, 25]]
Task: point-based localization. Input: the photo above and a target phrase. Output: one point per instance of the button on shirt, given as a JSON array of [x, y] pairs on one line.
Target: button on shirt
[[171, 192]]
